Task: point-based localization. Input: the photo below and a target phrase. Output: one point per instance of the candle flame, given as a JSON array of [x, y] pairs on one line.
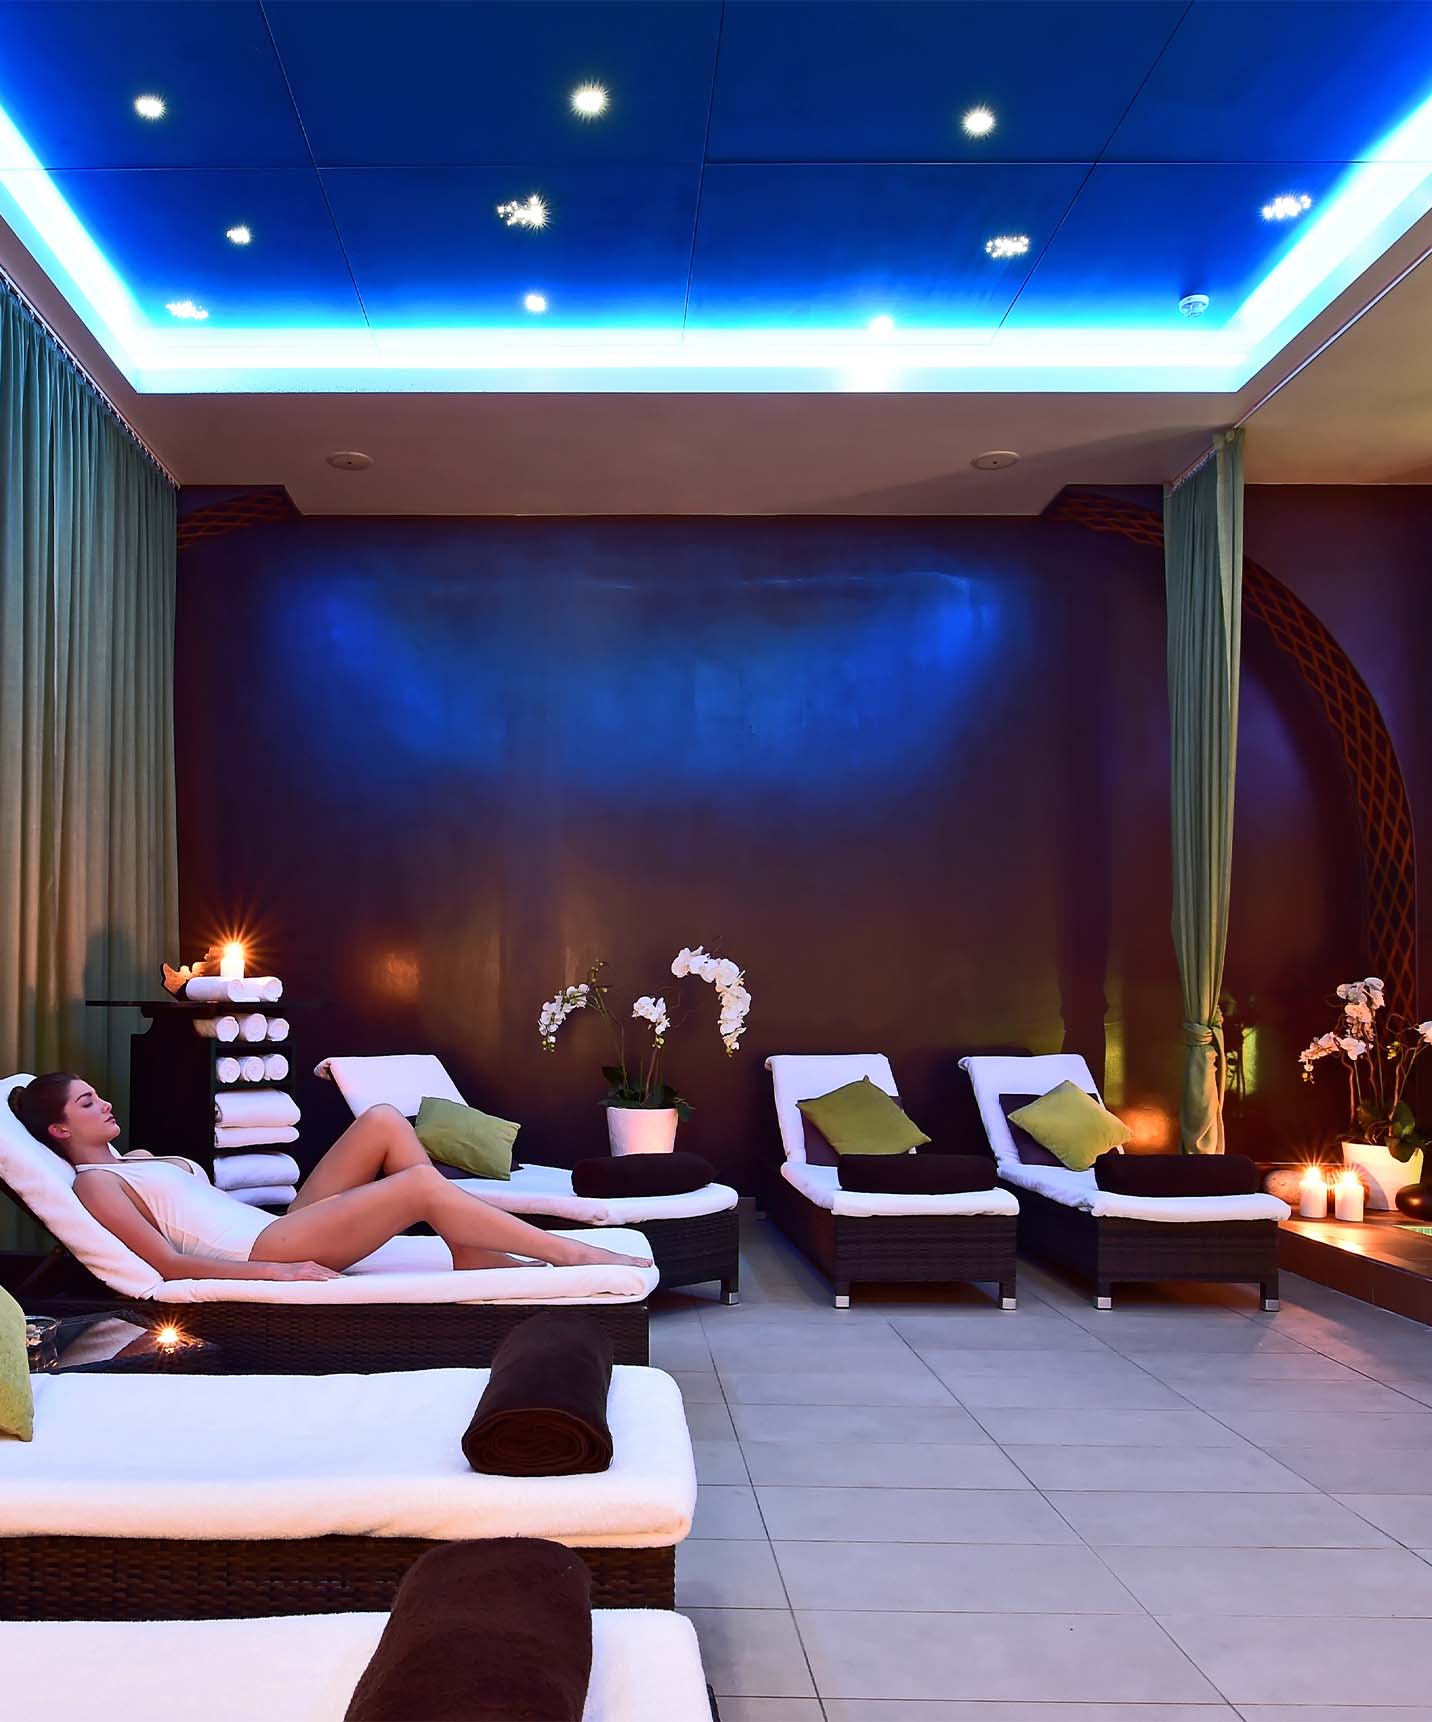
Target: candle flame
[[169, 1336]]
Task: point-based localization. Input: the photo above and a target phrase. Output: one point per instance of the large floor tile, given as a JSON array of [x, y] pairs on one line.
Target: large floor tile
[[1407, 1518], [911, 1384], [1226, 1368], [955, 1578], [1195, 1521], [1234, 1335], [882, 1465], [1206, 1470], [1368, 1431], [984, 1710], [751, 1652], [1000, 1330], [1366, 1662], [716, 1574], [1359, 1471], [1101, 1385], [727, 1510], [1327, 1713], [1331, 1584], [699, 1386], [719, 1462], [757, 1351], [1102, 1428], [813, 1424], [679, 1345], [709, 1423], [910, 1516], [1243, 1396], [771, 1709], [1088, 1657]]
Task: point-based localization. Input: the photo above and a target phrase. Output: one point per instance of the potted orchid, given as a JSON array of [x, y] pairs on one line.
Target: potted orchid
[[643, 1109], [1378, 1048]]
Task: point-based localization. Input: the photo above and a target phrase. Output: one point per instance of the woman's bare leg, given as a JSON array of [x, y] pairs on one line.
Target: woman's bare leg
[[378, 1143], [341, 1229]]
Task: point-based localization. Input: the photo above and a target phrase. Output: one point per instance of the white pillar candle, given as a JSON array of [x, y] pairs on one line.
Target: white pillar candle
[[1348, 1194], [231, 963], [1313, 1194]]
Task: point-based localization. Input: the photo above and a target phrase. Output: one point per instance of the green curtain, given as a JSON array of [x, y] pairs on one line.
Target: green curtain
[[88, 855], [1203, 577]]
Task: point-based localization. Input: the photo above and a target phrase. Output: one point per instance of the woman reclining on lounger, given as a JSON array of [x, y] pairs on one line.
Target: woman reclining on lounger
[[176, 1219]]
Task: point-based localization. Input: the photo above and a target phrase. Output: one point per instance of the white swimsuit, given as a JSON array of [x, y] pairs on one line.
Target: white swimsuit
[[197, 1219]]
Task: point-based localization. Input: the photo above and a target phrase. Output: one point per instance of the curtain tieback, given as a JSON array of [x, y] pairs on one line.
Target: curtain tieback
[[1203, 1034]]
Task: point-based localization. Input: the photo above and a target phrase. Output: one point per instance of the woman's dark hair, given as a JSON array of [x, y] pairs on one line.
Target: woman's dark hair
[[41, 1103]]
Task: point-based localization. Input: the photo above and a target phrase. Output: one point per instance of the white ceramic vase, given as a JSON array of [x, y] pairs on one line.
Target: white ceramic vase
[[641, 1129], [1383, 1175]]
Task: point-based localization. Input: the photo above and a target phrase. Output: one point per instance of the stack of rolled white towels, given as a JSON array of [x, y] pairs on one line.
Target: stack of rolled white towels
[[251, 1125]]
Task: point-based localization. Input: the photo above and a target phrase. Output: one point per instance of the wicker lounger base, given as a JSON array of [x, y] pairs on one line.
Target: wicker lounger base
[[1108, 1251], [933, 1249], [142, 1578], [686, 1251], [365, 1338]]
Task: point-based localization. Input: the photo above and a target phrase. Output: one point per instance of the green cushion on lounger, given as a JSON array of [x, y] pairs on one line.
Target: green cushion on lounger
[[861, 1118], [17, 1392], [1072, 1126], [461, 1136]]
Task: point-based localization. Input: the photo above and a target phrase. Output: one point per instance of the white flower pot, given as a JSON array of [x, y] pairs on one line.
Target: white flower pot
[[1384, 1175], [641, 1129]]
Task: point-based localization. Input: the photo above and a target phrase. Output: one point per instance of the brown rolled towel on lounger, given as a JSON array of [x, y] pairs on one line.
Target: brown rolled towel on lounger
[[614, 1175], [543, 1412], [1176, 1174], [497, 1631], [916, 1174]]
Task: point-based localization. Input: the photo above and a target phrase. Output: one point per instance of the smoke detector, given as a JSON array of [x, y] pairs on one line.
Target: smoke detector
[[1193, 304], [350, 460], [995, 461]]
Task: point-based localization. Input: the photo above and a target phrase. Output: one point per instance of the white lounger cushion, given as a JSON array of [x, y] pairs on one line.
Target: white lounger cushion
[[244, 1456], [802, 1076], [547, 1190], [404, 1080], [821, 1184], [646, 1667], [407, 1270], [992, 1077]]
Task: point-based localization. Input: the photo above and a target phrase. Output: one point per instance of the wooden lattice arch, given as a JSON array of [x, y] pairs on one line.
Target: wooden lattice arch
[[1389, 873]]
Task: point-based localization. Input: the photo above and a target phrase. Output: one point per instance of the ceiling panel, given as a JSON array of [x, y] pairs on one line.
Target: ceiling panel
[[891, 80], [1264, 80], [384, 84], [427, 247], [69, 76], [834, 246]]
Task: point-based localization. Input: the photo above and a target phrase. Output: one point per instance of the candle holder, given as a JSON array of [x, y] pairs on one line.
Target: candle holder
[[41, 1347]]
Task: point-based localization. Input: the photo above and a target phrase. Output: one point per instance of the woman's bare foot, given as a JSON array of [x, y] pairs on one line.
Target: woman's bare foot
[[589, 1255]]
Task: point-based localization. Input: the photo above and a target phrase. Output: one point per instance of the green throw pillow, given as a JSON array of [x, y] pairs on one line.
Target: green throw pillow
[[861, 1118], [462, 1136], [1072, 1126], [17, 1391]]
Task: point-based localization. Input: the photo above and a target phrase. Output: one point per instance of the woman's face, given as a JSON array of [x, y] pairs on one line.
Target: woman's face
[[87, 1122]]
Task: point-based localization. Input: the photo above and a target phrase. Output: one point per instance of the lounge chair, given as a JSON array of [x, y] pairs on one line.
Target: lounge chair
[[854, 1236], [1064, 1217], [693, 1237], [646, 1667], [184, 1497], [401, 1307]]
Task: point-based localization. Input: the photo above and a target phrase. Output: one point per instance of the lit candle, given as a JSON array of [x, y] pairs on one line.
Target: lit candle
[[1348, 1195], [231, 963], [1313, 1194]]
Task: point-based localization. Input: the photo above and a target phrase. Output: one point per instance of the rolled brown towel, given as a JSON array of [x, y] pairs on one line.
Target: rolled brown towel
[[497, 1631], [614, 1175], [919, 1174], [543, 1412], [1176, 1174]]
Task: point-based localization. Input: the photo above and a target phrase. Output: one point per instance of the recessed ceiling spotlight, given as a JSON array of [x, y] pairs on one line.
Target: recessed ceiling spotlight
[[530, 212], [590, 101], [1193, 304], [1288, 207], [978, 122], [187, 310], [536, 303], [1007, 245], [239, 235], [149, 107], [882, 325], [349, 460], [995, 461]]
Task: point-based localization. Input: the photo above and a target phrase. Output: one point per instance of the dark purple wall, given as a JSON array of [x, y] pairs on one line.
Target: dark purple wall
[[913, 775]]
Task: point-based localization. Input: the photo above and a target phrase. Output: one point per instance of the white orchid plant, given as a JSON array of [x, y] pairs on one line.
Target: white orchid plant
[[639, 1082], [1379, 1049]]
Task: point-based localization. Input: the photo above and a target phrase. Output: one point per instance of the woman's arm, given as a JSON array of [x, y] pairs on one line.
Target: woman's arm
[[119, 1210]]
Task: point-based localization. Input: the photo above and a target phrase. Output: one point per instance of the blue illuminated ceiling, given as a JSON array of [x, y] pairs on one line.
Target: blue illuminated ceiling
[[779, 195]]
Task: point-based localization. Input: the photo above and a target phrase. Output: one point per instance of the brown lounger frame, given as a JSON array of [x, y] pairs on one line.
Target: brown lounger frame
[[920, 1249], [1110, 1251], [144, 1578]]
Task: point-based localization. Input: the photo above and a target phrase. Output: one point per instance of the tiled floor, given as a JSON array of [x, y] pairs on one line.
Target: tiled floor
[[934, 1511]]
